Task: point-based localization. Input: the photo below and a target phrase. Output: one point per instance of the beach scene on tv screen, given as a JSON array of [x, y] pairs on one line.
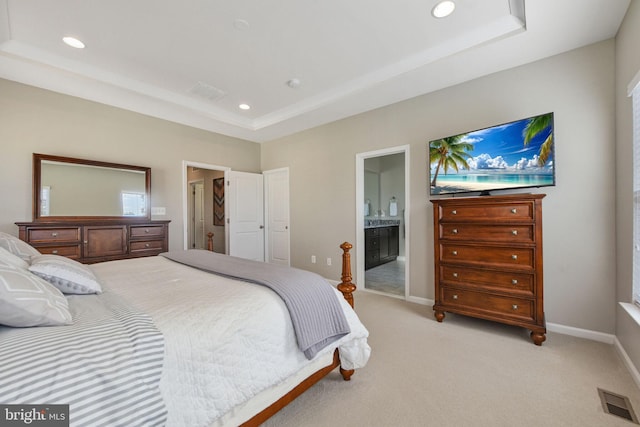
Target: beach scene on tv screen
[[512, 155]]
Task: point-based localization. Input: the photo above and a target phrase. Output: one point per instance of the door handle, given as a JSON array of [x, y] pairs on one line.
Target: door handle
[[261, 227]]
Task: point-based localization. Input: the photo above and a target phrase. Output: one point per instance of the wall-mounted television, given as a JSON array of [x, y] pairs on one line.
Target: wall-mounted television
[[514, 155]]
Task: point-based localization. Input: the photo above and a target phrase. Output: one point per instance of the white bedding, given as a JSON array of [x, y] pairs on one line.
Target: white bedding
[[226, 341]]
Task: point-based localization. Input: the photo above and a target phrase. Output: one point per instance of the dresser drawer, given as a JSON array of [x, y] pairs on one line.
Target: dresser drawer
[[498, 280], [66, 234], [147, 231], [514, 211], [496, 256], [155, 246], [489, 304], [490, 233], [69, 251]]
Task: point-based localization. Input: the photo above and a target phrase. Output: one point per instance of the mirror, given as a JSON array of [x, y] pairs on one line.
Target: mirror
[[69, 188]]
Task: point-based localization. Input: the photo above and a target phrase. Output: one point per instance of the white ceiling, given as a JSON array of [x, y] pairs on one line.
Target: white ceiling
[[350, 56]]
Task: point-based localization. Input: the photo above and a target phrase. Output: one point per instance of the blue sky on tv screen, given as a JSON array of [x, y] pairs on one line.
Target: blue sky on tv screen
[[502, 148]]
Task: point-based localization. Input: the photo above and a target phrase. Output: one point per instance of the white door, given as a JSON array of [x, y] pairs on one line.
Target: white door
[[245, 199], [276, 187]]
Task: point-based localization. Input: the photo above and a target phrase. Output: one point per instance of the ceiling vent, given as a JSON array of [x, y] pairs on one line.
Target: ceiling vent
[[206, 91]]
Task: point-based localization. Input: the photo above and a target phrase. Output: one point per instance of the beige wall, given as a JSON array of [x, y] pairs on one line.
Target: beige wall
[[40, 121], [627, 66], [579, 219]]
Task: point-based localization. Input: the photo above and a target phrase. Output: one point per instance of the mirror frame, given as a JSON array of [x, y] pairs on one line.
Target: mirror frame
[[37, 169]]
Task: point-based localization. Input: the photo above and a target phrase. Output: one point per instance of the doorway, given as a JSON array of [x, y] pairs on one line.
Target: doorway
[[197, 239], [199, 211], [382, 225]]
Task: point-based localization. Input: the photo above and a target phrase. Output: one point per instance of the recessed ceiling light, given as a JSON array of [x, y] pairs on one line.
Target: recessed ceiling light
[[293, 83], [443, 9], [73, 42], [241, 24], [244, 106]]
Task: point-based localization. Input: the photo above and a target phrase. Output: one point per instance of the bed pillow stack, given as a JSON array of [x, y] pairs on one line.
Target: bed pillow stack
[[32, 285]]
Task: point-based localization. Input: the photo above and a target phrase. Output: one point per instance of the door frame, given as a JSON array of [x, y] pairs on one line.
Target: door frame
[[360, 248], [185, 199]]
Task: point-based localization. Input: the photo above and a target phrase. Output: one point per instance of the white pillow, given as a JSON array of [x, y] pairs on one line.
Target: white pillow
[[66, 274], [11, 259], [17, 246], [27, 300]]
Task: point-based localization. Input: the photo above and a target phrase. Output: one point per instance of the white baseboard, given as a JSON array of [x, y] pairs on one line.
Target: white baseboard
[[581, 333], [627, 361]]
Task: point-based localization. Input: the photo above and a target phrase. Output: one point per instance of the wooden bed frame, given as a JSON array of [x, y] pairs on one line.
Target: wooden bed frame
[[347, 288]]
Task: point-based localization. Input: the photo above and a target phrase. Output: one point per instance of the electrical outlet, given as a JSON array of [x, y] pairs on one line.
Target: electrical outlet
[[157, 210], [313, 259], [328, 261]]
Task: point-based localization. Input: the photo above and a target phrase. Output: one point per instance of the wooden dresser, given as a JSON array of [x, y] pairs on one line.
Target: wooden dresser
[[488, 259], [97, 240]]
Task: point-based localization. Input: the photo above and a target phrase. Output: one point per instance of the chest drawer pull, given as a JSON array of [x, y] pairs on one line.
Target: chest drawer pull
[[55, 251], [454, 231], [54, 234], [454, 212], [146, 245], [146, 230], [514, 281], [455, 274], [514, 257], [455, 296], [514, 306], [514, 211], [454, 252], [514, 232]]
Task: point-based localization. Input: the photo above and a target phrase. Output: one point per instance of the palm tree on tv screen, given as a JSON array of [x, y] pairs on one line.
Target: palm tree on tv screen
[[450, 152], [534, 127]]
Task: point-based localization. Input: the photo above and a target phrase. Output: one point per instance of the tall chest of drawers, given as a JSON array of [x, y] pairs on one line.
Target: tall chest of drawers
[[488, 259]]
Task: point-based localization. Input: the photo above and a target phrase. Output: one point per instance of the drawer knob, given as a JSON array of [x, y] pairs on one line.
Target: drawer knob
[[514, 232], [454, 212], [514, 257], [54, 234], [454, 231], [55, 251], [146, 230], [514, 306], [455, 274], [454, 252], [455, 296], [514, 210], [514, 281], [146, 245]]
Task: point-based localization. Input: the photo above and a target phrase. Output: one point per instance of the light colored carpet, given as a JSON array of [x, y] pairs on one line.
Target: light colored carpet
[[463, 372]]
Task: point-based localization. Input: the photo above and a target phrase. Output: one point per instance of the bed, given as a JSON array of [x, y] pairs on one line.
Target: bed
[[166, 342]]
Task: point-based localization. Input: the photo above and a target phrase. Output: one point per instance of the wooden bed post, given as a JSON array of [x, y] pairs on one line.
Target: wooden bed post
[[346, 286]]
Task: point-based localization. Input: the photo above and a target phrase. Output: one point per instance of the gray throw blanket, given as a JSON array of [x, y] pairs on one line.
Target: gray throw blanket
[[318, 319]]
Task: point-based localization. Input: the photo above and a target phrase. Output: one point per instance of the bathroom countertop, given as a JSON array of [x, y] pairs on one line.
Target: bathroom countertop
[[380, 222]]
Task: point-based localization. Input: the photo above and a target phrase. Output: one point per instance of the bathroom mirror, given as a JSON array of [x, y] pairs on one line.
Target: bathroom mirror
[[66, 188]]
